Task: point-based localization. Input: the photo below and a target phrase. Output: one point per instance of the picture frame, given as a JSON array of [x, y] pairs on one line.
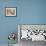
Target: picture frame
[[10, 11], [37, 29]]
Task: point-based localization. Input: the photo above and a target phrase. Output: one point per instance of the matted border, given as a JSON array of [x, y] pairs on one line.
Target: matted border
[[9, 15]]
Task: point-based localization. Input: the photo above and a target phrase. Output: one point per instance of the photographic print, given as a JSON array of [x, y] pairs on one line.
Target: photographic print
[[11, 11], [33, 32], [30, 33]]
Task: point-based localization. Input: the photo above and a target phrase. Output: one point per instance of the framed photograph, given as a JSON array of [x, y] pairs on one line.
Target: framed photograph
[[33, 32], [10, 11]]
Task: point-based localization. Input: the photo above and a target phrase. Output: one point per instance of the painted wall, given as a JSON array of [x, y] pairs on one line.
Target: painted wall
[[28, 12]]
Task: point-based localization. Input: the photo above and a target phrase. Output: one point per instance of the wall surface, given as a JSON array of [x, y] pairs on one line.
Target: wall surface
[[28, 12]]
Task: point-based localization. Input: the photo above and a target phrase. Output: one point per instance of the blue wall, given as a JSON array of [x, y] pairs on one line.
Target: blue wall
[[28, 12]]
